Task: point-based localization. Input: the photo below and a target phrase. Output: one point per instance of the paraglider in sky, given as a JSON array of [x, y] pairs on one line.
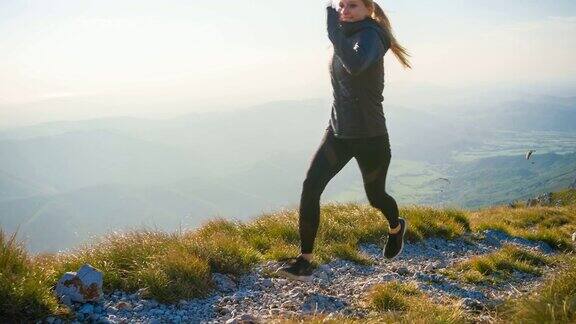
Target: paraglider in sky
[[441, 183], [444, 179], [529, 154]]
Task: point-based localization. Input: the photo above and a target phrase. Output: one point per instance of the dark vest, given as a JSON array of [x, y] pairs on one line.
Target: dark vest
[[357, 107]]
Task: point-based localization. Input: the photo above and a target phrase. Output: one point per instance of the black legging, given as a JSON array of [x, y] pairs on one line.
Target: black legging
[[373, 157]]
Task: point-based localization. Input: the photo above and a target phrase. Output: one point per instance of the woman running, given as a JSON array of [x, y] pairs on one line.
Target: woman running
[[360, 34]]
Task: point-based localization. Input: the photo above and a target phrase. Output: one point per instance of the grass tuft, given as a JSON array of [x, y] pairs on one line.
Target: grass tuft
[[120, 257], [553, 225], [393, 296], [405, 303], [428, 221], [553, 302], [24, 289], [225, 253], [175, 275], [499, 265], [565, 197]]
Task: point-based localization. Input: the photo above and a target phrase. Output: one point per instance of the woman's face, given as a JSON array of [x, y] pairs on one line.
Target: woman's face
[[352, 10]]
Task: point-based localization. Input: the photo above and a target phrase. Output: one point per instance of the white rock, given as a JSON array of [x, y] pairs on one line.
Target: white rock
[[82, 286], [66, 287]]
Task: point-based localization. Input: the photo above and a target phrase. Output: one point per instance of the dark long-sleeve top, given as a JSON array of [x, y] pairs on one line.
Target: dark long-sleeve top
[[357, 75]]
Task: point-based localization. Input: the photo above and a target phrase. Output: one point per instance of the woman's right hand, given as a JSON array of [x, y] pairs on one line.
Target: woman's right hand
[[332, 17]]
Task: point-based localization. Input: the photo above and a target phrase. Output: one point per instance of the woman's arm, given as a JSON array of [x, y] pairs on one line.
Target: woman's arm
[[356, 55]]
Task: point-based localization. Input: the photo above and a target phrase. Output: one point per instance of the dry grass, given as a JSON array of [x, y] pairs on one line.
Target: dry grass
[[172, 266], [553, 225], [405, 303], [24, 289], [499, 265], [553, 302]]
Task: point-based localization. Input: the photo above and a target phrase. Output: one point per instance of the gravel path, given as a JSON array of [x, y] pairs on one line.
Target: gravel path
[[336, 287]]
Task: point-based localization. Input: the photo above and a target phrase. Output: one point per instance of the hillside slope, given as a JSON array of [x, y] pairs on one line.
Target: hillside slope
[[458, 266]]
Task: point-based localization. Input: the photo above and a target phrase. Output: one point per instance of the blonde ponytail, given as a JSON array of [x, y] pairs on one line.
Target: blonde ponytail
[[399, 51]]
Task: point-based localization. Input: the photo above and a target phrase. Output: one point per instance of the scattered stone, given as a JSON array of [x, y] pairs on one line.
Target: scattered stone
[[335, 289], [472, 304], [244, 319], [403, 271], [105, 320], [541, 200], [65, 299], [427, 268], [123, 305], [223, 283], [322, 275], [86, 309], [329, 317], [150, 303], [267, 283], [321, 303], [82, 286]]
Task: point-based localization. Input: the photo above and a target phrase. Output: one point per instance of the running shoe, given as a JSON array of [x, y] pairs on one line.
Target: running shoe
[[298, 268], [395, 242]]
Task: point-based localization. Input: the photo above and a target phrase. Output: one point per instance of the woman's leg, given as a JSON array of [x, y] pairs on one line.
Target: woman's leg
[[332, 155], [373, 156]]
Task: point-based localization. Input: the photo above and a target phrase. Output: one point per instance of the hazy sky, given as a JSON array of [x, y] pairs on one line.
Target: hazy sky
[[193, 54]]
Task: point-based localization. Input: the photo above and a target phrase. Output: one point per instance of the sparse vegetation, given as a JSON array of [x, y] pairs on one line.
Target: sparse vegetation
[[395, 302], [427, 222], [553, 302], [24, 289], [405, 303], [175, 275], [553, 225], [173, 266], [498, 266], [564, 197]]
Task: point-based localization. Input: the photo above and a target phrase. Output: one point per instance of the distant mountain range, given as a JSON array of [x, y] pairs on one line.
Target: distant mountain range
[[61, 182], [544, 113], [500, 180]]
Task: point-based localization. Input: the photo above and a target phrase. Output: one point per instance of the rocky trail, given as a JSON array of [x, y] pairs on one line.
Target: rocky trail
[[337, 287]]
